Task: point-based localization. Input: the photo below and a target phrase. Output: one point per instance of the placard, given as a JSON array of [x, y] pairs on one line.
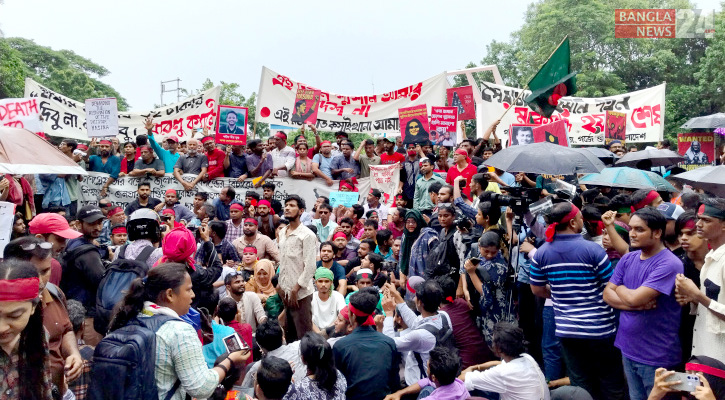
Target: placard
[[307, 102], [385, 178], [347, 199], [462, 99], [554, 132], [7, 215], [443, 121], [231, 125], [521, 134], [102, 117], [697, 148], [414, 124], [21, 113], [615, 127]]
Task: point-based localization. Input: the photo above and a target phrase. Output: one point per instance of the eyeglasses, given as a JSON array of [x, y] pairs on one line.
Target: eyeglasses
[[33, 246]]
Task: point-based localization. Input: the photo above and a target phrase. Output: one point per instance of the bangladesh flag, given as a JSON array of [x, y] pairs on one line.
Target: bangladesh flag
[[553, 81]]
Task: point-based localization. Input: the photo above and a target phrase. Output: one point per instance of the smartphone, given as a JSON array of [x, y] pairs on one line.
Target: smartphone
[[475, 260], [688, 381], [462, 183], [233, 343]]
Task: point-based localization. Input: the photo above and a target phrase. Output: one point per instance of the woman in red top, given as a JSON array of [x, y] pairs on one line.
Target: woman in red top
[[462, 167]]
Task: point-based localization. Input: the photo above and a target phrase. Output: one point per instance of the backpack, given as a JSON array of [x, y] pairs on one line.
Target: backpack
[[124, 362], [437, 263], [115, 283], [444, 338]]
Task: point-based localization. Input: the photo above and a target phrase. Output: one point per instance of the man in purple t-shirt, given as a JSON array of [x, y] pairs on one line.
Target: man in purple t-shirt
[[642, 286]]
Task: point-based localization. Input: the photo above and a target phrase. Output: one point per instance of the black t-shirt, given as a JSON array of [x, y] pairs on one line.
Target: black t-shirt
[[135, 205]]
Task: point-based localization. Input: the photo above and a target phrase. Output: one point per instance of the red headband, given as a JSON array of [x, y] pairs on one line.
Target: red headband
[[339, 234], [368, 322], [22, 289], [706, 369], [118, 229], [250, 249], [691, 224], [344, 313], [115, 211], [142, 148], [206, 139], [250, 221], [264, 203], [280, 135], [463, 153], [551, 229], [236, 206], [108, 142], [171, 191], [324, 142], [647, 200], [346, 184]]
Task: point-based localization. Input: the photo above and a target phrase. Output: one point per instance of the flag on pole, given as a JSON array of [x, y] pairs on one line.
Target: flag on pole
[[553, 81]]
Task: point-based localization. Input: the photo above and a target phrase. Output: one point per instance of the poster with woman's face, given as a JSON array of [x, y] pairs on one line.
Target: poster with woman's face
[[521, 134], [414, 124]]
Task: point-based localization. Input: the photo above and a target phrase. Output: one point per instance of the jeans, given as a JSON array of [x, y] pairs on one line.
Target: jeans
[[551, 347], [596, 366], [640, 378], [425, 392]]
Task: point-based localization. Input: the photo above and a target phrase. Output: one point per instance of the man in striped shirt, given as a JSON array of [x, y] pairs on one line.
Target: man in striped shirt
[[573, 272]]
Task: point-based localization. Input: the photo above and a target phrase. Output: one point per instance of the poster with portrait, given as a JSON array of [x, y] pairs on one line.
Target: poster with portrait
[[443, 121], [615, 127], [414, 124], [307, 102], [697, 148], [554, 132], [462, 99], [231, 125], [521, 134]]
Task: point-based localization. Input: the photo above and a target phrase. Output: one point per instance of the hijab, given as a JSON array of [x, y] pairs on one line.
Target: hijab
[[267, 289], [409, 238], [179, 246]]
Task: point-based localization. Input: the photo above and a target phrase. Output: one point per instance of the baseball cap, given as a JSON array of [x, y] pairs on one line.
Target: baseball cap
[[52, 223], [376, 193], [90, 214], [670, 211], [173, 139]]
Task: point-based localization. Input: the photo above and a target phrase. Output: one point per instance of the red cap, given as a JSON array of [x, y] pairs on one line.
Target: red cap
[[52, 223], [173, 139], [206, 139]]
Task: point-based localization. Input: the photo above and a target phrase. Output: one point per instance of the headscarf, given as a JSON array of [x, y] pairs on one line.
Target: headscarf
[[266, 265], [409, 238], [179, 246], [462, 152], [323, 272]]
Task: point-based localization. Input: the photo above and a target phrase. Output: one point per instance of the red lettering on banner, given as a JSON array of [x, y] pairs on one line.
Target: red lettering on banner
[[364, 110], [593, 123], [640, 115], [283, 81], [327, 106]]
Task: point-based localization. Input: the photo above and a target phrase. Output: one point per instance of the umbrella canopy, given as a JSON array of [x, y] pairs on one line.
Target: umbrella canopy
[[659, 158], [545, 158], [710, 179], [706, 122], [628, 178], [23, 152]]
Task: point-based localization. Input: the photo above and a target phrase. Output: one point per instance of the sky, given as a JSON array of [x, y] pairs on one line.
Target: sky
[[352, 48]]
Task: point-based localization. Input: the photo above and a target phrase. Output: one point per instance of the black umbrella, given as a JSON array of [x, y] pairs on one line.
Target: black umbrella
[[659, 158], [710, 179], [545, 158], [706, 122]]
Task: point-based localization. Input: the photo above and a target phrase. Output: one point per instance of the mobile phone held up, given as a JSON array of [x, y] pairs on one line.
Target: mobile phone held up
[[233, 343], [688, 382]]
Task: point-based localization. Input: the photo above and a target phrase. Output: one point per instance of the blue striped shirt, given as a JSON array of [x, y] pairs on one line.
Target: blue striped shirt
[[577, 271]]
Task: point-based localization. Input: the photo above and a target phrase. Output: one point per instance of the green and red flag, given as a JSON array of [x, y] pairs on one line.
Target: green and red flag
[[553, 81]]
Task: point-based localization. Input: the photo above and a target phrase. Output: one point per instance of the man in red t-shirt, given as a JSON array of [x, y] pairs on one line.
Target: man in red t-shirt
[[462, 167], [390, 156], [215, 157]]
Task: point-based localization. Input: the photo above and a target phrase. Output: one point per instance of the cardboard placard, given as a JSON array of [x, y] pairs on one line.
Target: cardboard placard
[[21, 113], [231, 125], [697, 148], [462, 99], [443, 121], [102, 117], [347, 199], [414, 124], [307, 103]]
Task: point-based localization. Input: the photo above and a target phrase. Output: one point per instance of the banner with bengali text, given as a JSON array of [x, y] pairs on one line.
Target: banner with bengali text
[[585, 117], [65, 117], [364, 114]]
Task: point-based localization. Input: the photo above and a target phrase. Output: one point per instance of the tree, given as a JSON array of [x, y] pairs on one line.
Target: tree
[[60, 70], [12, 72]]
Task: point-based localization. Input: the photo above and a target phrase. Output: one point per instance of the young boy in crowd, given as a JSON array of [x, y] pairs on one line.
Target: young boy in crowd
[[384, 238], [370, 230], [326, 303], [442, 382], [366, 246]]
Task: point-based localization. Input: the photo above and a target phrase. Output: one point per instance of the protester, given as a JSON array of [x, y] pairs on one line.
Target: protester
[[215, 159], [250, 306], [365, 155], [462, 167], [193, 162], [270, 337], [273, 379], [259, 162], [326, 302], [443, 382], [323, 380], [105, 161], [148, 165], [345, 166]]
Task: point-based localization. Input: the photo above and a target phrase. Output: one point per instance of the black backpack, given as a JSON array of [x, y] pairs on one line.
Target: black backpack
[[124, 362], [444, 338], [115, 283], [437, 263]]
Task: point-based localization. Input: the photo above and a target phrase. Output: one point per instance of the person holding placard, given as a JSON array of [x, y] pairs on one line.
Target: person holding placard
[[366, 158], [104, 162]]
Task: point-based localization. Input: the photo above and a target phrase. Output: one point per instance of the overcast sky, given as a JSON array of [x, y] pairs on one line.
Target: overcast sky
[[339, 46]]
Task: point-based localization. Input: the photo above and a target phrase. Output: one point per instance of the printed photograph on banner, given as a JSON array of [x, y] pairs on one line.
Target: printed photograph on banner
[[520, 134], [443, 121], [615, 127], [462, 99], [102, 117], [554, 132], [414, 124], [231, 125], [697, 148], [307, 103]]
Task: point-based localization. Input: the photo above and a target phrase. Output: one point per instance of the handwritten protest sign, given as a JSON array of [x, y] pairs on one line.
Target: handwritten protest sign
[[385, 178], [347, 199], [7, 212], [462, 99], [443, 121], [554, 132], [21, 113], [306, 105], [697, 148], [231, 125], [102, 117], [615, 127], [414, 124]]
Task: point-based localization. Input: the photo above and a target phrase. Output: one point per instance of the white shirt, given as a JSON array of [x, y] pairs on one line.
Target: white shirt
[[324, 313], [382, 210], [298, 260], [288, 352], [709, 331], [283, 158], [519, 379]]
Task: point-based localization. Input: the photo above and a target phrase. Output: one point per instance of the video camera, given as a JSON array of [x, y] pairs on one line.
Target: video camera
[[519, 199]]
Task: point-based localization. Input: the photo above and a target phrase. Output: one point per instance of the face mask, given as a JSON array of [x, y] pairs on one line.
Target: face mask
[[412, 152]]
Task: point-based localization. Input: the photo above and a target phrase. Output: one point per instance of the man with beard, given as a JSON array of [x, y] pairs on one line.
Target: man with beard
[[283, 156], [266, 247], [231, 125], [215, 159], [104, 162], [83, 267], [298, 248], [694, 155], [192, 162], [171, 201], [389, 155], [322, 162], [148, 165], [168, 156], [144, 199], [236, 163], [223, 203], [259, 162], [327, 261], [345, 166], [248, 303], [373, 203], [267, 223]]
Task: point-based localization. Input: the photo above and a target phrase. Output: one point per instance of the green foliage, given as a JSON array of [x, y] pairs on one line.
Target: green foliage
[[12, 72]]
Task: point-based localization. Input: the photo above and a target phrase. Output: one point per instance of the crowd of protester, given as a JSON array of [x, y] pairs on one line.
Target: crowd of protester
[[448, 294]]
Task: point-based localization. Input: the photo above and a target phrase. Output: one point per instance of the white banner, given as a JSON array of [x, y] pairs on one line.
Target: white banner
[[66, 117], [124, 190], [585, 117], [365, 114], [21, 113], [385, 178]]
